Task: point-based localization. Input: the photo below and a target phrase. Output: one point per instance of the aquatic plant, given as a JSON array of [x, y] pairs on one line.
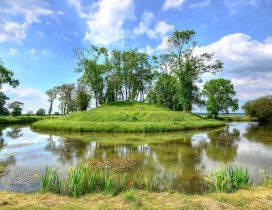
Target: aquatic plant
[[84, 180], [51, 181], [267, 177], [228, 178]]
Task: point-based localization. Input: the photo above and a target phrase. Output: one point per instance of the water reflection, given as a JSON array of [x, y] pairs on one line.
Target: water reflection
[[177, 159]]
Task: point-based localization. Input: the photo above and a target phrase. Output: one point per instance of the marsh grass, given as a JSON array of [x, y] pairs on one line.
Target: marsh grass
[[267, 177], [85, 180], [228, 178]]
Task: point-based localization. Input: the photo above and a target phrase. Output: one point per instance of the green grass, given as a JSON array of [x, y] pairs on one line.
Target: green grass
[[228, 178], [85, 180], [4, 120], [127, 117]]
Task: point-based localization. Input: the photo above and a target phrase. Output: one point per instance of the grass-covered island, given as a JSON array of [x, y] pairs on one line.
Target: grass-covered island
[[127, 117]]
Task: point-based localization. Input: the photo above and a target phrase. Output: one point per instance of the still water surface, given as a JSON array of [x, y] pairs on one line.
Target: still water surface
[[179, 159]]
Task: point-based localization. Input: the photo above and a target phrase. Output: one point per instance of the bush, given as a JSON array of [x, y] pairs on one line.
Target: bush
[[40, 112], [260, 108], [228, 178]]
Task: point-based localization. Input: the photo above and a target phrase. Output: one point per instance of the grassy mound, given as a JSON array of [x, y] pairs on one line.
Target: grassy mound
[[127, 117]]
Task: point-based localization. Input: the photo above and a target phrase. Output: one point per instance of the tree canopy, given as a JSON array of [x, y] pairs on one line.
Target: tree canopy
[[220, 96]]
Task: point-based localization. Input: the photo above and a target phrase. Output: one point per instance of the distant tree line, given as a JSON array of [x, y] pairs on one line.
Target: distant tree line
[[169, 79]]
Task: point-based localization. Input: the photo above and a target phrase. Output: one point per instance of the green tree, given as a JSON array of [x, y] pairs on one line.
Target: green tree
[[188, 67], [3, 109], [52, 95], [67, 98], [260, 108], [6, 77], [40, 112], [220, 96], [16, 108], [93, 63], [165, 93], [82, 97]]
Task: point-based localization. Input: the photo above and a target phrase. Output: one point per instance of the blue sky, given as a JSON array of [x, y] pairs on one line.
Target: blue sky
[[37, 38]]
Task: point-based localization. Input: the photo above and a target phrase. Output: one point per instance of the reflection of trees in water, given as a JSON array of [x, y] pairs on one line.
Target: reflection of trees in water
[[222, 145], [15, 133], [66, 149], [2, 140], [5, 163], [259, 133], [179, 161]]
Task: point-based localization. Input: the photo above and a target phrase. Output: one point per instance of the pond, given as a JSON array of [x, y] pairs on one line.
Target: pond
[[179, 159]]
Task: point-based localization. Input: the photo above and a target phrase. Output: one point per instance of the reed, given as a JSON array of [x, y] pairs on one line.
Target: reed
[[228, 178]]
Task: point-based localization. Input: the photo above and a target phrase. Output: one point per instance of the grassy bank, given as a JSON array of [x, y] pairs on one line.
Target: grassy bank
[[5, 120], [250, 198], [127, 117]]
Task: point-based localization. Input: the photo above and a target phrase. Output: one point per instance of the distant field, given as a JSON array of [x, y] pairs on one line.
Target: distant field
[[127, 117]]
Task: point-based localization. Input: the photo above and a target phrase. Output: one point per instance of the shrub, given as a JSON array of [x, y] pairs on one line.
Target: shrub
[[40, 112], [228, 178], [260, 108]]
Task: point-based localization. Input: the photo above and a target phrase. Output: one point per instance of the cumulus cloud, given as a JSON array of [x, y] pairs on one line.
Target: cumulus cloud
[[105, 20], [30, 12], [235, 5], [148, 50], [202, 3], [12, 51], [33, 99], [170, 4], [242, 54]]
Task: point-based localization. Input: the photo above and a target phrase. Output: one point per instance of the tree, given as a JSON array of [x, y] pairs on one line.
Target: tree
[[260, 108], [82, 97], [66, 96], [165, 93], [40, 112], [6, 77], [3, 109], [52, 95], [220, 96], [188, 67], [16, 108]]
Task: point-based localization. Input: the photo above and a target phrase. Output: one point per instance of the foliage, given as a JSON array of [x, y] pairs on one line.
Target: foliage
[[267, 177], [228, 178], [127, 117], [3, 109], [82, 97], [18, 119], [188, 67], [84, 180], [16, 108], [165, 93], [52, 95], [220, 96], [40, 112], [6, 76], [260, 108]]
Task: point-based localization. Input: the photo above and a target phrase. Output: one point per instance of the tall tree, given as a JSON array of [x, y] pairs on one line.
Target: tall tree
[[16, 108], [188, 67], [93, 63], [82, 96], [52, 95], [220, 95]]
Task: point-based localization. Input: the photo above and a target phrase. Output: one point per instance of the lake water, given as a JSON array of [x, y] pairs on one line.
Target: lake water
[[180, 159]]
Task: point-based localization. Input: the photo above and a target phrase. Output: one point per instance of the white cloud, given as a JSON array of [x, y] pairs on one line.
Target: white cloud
[[235, 5], [105, 20], [169, 4], [41, 34], [12, 51], [30, 11], [202, 3], [160, 30], [45, 52], [33, 99], [59, 12], [163, 46], [148, 50], [242, 54]]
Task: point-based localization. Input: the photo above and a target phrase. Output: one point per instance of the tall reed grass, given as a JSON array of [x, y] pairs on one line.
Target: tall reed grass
[[84, 180], [228, 178]]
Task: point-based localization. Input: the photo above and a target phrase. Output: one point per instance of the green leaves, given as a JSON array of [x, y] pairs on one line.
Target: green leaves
[[220, 96]]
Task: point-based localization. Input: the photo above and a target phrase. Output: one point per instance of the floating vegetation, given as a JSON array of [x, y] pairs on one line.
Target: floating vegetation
[[115, 164]]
